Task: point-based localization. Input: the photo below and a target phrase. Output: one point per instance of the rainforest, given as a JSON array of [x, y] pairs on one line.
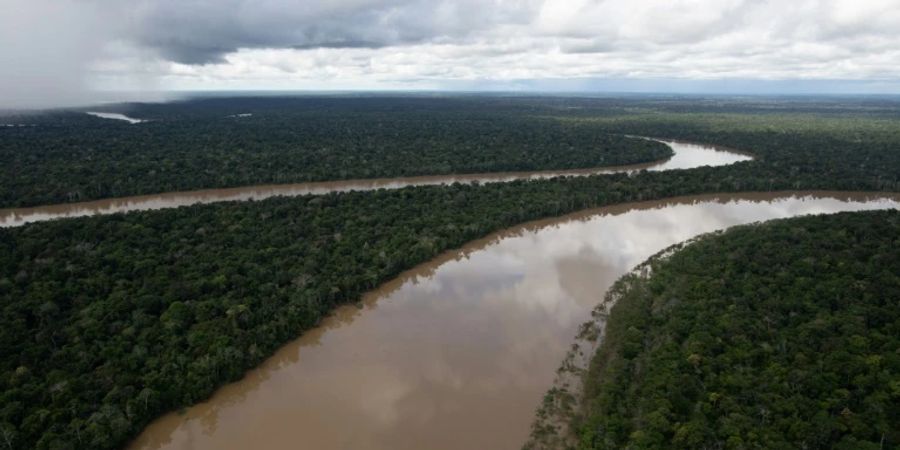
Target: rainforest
[[774, 335], [166, 327]]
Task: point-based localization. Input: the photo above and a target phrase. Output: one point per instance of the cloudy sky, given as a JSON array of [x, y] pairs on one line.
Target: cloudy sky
[[62, 49]]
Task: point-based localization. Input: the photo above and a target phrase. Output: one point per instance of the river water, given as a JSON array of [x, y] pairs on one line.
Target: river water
[[686, 156], [458, 352], [116, 116]]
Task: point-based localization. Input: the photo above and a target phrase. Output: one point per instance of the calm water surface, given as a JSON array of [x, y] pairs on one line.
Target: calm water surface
[[458, 352], [686, 156], [115, 116]]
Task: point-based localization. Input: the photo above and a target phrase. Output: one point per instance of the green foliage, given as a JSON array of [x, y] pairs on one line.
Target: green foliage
[[107, 322], [779, 335], [191, 145]]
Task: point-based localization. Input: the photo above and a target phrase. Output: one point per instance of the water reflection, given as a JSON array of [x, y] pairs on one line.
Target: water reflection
[[686, 156], [457, 353], [115, 116]]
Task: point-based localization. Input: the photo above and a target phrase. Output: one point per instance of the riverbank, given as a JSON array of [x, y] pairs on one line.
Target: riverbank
[[769, 335], [491, 322], [684, 156]]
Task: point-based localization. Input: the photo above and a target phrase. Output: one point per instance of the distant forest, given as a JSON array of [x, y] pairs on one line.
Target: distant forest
[[71, 156], [203, 143], [780, 335], [108, 322]]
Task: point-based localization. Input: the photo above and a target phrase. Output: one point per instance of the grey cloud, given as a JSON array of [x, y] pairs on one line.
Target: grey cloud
[[587, 46], [52, 49], [203, 31], [340, 44], [45, 49]]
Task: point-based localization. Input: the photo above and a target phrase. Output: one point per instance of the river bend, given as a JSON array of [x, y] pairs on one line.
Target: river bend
[[685, 156], [458, 352]]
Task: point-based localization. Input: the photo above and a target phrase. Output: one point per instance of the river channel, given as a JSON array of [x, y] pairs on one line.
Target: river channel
[[458, 352], [685, 156]]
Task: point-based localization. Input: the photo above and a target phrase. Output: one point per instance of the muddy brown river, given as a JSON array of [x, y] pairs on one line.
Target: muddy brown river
[[686, 156], [458, 352]]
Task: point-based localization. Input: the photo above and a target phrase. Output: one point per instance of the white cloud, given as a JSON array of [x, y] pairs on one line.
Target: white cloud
[[365, 44]]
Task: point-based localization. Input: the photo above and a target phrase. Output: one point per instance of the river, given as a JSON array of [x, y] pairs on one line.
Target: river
[[686, 156], [116, 116], [458, 352]]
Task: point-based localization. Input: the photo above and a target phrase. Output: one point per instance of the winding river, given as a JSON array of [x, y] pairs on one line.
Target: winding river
[[686, 156], [458, 352]]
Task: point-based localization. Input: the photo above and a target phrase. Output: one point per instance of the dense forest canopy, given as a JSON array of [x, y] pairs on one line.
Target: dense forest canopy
[[202, 143], [780, 335], [109, 321], [71, 156]]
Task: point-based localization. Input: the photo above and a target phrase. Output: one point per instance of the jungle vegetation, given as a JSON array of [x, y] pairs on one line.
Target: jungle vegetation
[[206, 143], [108, 322], [71, 156], [777, 335]]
